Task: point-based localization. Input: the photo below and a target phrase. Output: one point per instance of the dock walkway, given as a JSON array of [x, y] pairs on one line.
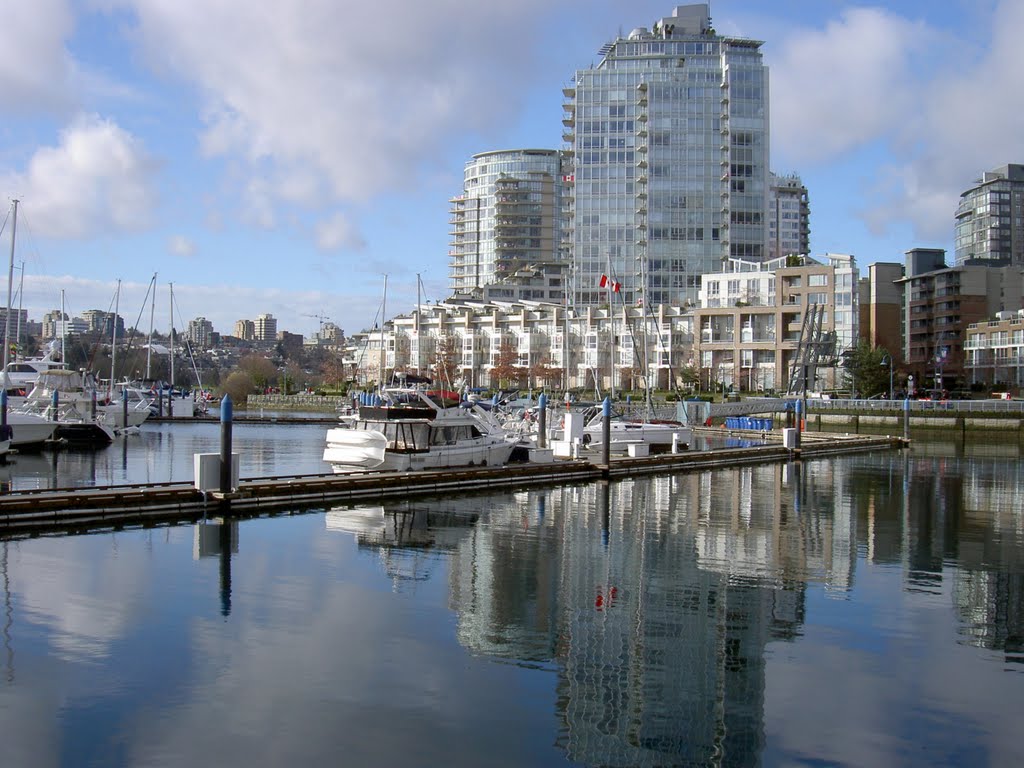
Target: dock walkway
[[37, 512]]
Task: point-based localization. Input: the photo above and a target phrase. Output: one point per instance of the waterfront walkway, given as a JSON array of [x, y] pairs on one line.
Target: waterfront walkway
[[36, 512]]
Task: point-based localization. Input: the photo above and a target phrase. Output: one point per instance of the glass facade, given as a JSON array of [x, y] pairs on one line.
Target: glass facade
[[508, 216], [669, 139], [990, 219]]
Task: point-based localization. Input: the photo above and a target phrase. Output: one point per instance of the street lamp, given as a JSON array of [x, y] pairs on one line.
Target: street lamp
[[887, 360]]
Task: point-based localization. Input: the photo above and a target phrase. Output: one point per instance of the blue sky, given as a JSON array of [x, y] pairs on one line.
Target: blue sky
[[282, 157]]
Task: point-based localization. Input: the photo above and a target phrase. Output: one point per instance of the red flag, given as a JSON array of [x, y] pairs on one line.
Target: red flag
[[616, 287], [604, 281]]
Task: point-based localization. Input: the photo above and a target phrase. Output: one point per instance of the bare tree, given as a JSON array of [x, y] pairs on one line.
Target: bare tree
[[446, 361]]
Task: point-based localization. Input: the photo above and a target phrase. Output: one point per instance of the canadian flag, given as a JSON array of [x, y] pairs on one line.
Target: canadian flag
[[607, 281], [569, 178], [604, 281]]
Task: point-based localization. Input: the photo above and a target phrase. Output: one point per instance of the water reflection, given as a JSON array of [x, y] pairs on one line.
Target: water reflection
[[844, 611]]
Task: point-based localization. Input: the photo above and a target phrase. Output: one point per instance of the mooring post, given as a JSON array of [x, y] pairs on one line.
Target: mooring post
[[225, 444], [542, 421], [92, 406], [799, 422], [124, 407], [906, 418], [54, 404], [3, 412], [606, 431]]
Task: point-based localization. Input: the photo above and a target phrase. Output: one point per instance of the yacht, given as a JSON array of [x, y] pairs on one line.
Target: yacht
[[402, 429], [79, 390]]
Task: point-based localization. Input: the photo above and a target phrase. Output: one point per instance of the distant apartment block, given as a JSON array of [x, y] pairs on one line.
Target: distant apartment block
[[245, 330], [101, 324], [990, 219], [940, 304], [507, 224], [881, 307], [18, 324], [789, 215], [748, 326], [994, 352], [265, 328], [200, 333]]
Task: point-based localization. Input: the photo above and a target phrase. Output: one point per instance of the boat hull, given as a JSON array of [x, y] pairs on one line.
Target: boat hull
[[365, 452]]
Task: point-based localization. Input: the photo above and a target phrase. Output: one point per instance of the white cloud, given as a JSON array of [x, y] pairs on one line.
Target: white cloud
[[97, 180], [338, 232], [839, 88], [35, 68], [328, 102], [179, 245], [937, 110]]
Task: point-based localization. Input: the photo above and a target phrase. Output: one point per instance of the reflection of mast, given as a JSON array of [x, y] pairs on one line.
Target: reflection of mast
[[8, 618]]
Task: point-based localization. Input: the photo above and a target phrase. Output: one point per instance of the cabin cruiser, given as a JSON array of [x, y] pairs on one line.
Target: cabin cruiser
[[79, 390], [403, 428]]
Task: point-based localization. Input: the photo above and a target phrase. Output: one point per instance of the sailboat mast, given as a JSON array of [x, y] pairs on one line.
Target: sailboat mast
[[171, 355], [63, 330], [10, 285], [611, 331], [383, 314], [21, 297], [113, 338], [419, 332], [152, 310]]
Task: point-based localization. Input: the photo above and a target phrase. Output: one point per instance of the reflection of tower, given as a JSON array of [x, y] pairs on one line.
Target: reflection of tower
[[218, 540], [661, 659]]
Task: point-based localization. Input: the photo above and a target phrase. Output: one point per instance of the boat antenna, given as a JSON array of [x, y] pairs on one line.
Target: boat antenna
[[171, 355]]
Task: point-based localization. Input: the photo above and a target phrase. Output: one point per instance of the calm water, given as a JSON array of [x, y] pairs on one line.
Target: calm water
[[861, 611]]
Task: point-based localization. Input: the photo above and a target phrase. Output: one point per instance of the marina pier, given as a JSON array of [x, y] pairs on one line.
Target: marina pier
[[27, 513]]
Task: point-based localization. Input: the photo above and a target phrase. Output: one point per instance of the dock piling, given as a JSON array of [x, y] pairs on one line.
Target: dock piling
[[542, 421], [606, 432], [225, 445]]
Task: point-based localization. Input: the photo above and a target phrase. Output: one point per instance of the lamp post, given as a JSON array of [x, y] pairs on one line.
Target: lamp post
[[887, 360]]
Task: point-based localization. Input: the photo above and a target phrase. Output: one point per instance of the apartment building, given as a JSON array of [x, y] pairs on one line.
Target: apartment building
[[990, 219], [668, 139], [789, 217], [748, 326], [994, 352], [939, 306], [200, 333], [265, 328]]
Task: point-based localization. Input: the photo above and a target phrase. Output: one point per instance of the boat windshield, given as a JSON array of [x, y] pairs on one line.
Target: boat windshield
[[403, 436]]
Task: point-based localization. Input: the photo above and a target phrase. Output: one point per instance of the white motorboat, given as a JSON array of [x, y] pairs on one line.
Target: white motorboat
[[19, 376], [29, 430], [657, 434], [411, 429], [78, 389]]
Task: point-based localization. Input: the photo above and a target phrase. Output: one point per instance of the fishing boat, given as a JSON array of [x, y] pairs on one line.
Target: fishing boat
[[407, 428]]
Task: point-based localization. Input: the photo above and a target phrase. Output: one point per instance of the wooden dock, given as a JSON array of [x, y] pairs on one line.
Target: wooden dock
[[67, 510]]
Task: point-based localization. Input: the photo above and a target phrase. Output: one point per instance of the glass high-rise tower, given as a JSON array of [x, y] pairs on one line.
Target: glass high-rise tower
[[668, 137]]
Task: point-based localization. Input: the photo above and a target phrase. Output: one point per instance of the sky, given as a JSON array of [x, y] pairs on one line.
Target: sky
[[284, 157]]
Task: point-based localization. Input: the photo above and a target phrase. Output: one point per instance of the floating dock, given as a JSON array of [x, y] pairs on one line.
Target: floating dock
[[67, 510]]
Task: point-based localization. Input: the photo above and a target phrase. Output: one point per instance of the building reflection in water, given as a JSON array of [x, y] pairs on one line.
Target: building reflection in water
[[654, 599]]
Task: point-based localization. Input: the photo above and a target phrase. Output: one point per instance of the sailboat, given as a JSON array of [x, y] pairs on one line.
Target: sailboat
[[26, 429]]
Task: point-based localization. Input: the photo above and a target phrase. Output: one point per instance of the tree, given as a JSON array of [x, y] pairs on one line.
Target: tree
[[506, 370], [688, 376], [239, 386], [262, 372], [545, 371], [866, 368], [446, 361]]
